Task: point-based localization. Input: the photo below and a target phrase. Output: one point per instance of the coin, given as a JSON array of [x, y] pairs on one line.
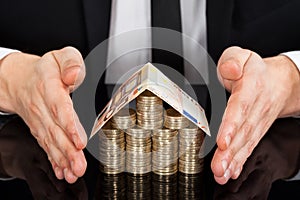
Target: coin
[[174, 120], [190, 142], [164, 151], [111, 150], [138, 150], [148, 145], [149, 111], [124, 119]]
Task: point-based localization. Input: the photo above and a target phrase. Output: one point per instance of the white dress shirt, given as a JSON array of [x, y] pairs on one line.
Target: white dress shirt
[[130, 15], [294, 56], [5, 51]]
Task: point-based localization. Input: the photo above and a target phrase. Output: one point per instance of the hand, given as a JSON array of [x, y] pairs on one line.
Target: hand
[[23, 158], [261, 91], [37, 89], [275, 157]]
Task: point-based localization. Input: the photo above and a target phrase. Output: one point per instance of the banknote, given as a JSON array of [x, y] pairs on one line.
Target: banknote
[[152, 79]]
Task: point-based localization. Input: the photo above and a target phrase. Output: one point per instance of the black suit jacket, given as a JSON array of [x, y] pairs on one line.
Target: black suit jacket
[[34, 26], [268, 27]]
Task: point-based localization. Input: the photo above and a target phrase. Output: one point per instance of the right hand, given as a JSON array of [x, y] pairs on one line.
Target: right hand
[[22, 157], [37, 89]]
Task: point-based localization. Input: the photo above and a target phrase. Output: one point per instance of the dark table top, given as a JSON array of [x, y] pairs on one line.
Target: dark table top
[[274, 160]]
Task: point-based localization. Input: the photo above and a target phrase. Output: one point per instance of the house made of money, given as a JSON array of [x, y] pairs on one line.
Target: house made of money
[[149, 78]]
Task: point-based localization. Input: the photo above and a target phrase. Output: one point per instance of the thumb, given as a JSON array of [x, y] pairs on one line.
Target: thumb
[[71, 66], [231, 65]]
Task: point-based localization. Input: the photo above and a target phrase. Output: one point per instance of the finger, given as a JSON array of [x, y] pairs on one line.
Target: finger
[[74, 156], [223, 179], [242, 141], [244, 92], [237, 173], [69, 176], [259, 121], [243, 154], [238, 108], [71, 66], [57, 170], [236, 114], [44, 144], [231, 63], [58, 146], [40, 131], [56, 155], [250, 133], [63, 114], [227, 174], [62, 163]]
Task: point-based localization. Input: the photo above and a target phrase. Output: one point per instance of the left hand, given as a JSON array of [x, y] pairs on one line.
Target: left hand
[[275, 157], [261, 91]]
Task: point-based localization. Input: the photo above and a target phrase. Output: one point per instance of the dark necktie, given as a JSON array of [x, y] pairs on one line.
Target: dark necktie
[[166, 14]]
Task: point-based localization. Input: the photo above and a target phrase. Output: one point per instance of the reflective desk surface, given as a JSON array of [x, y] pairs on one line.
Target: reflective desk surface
[[274, 160]]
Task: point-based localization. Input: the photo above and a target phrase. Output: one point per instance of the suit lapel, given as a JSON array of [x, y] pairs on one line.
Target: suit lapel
[[219, 18], [97, 19]]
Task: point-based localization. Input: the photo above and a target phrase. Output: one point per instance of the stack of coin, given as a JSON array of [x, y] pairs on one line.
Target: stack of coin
[[190, 141], [149, 110], [165, 151], [139, 186], [138, 150], [111, 186], [164, 187], [124, 119], [174, 120], [111, 150]]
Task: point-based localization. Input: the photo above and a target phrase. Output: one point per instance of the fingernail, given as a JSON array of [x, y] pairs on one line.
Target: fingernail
[[224, 165], [227, 174], [237, 172], [71, 178], [227, 140], [58, 173]]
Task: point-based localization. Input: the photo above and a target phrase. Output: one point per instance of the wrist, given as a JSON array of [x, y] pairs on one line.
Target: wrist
[[289, 78], [15, 69]]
